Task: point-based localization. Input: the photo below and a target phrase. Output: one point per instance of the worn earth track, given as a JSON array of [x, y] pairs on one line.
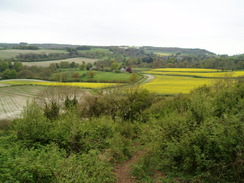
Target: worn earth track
[[123, 171], [149, 78]]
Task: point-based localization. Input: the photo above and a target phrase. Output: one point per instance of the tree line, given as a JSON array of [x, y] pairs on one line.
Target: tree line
[[144, 57]]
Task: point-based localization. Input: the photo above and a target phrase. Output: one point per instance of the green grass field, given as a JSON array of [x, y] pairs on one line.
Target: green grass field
[[10, 53], [99, 75], [110, 76]]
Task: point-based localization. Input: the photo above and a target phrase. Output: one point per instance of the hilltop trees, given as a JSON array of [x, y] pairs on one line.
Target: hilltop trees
[[5, 65], [133, 78], [9, 74], [18, 66], [26, 47], [91, 74]]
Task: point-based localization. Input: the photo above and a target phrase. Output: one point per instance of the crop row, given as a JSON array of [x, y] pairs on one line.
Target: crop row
[[186, 70], [204, 75], [44, 83]]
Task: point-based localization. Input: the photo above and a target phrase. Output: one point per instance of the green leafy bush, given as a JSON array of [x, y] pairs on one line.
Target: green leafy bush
[[201, 142], [33, 125], [52, 164]]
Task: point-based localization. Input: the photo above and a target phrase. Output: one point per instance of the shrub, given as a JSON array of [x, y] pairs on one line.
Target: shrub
[[51, 164], [33, 125], [200, 137]]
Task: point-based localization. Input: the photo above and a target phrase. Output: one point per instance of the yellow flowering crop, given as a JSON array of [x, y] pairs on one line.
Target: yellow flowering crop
[[83, 85], [186, 70], [46, 83], [175, 84], [207, 73]]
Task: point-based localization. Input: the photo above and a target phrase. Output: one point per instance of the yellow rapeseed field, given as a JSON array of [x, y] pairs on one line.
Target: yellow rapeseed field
[[46, 83], [206, 73], [186, 70], [175, 84], [201, 74], [183, 80]]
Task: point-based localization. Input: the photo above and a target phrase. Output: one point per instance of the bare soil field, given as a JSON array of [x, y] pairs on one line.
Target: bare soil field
[[47, 63], [14, 98]]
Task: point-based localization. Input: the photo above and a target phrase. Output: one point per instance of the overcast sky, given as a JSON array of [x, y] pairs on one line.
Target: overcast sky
[[215, 25]]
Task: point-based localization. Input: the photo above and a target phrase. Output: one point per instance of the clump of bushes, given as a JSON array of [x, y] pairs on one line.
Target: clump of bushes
[[200, 138], [63, 137]]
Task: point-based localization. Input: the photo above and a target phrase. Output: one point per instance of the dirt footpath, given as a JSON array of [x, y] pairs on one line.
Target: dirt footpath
[[123, 171]]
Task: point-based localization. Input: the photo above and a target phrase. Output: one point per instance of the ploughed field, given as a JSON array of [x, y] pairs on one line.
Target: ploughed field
[[15, 93], [14, 98], [182, 80], [70, 60]]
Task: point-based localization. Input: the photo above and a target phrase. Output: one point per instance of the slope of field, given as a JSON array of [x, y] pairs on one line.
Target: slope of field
[[180, 80], [174, 84], [174, 50], [47, 83], [100, 76], [95, 50], [14, 98], [185, 70], [205, 73], [10, 53], [47, 63]]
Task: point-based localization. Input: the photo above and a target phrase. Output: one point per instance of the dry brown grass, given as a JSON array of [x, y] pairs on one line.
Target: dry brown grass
[[47, 63], [4, 124]]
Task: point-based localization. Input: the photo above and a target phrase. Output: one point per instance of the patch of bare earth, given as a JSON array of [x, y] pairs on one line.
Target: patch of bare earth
[[123, 171], [149, 78], [158, 175]]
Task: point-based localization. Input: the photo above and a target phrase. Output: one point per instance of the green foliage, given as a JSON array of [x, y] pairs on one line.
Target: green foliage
[[225, 101], [72, 51], [50, 164], [132, 106], [200, 136], [190, 138], [83, 48], [9, 74], [91, 74], [4, 66], [133, 78], [18, 66], [26, 47], [70, 103], [129, 106], [51, 111], [33, 125]]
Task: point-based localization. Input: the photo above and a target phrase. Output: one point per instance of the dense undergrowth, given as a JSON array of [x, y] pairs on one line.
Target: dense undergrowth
[[65, 138], [196, 137]]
